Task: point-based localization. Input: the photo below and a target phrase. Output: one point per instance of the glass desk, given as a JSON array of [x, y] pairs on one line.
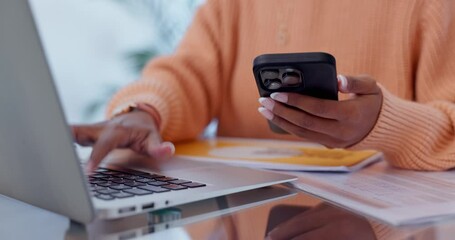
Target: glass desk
[[246, 215]]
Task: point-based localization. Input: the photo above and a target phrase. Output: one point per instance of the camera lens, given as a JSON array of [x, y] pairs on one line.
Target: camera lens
[[272, 84], [291, 78], [270, 74]]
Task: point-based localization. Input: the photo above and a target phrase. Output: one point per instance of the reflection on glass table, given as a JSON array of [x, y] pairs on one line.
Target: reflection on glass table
[[247, 215], [174, 217]]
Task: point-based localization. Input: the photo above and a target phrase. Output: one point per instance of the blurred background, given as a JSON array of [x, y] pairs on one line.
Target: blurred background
[[97, 46]]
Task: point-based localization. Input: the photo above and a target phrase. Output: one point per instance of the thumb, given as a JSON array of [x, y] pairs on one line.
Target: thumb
[[362, 85]]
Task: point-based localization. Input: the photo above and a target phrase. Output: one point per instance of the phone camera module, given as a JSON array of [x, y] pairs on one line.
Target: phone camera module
[[276, 78]]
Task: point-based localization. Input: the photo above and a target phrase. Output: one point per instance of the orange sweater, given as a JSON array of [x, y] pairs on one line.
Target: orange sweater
[[407, 46]]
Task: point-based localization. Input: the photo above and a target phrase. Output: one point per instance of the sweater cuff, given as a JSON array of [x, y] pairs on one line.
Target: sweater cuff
[[153, 93], [396, 132], [158, 104], [389, 125]]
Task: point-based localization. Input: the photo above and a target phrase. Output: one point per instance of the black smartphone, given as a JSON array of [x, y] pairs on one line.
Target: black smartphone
[[312, 73]]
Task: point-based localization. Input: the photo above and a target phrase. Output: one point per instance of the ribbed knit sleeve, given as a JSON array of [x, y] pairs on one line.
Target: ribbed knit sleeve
[[420, 134], [186, 87]]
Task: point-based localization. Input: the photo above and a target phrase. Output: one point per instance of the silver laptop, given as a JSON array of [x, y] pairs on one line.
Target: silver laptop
[[38, 164]]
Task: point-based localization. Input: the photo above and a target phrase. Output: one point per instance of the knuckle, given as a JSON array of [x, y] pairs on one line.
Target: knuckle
[[306, 121], [353, 85], [115, 126]]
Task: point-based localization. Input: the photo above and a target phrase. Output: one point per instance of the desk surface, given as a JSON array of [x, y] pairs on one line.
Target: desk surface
[[239, 216]]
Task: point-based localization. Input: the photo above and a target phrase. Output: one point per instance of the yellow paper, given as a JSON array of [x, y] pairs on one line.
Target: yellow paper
[[266, 152]]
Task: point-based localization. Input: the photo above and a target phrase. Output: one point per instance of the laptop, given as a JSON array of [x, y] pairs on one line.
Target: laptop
[[38, 163]]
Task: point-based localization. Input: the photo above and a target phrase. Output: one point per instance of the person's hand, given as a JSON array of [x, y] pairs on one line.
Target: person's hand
[[332, 123], [136, 131], [323, 222]]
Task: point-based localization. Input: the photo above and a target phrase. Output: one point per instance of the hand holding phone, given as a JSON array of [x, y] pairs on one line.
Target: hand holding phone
[[313, 74], [303, 101]]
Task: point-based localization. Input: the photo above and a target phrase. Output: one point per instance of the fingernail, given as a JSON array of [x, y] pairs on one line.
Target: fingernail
[[343, 82], [267, 238], [170, 146], [266, 113], [267, 103], [280, 97]]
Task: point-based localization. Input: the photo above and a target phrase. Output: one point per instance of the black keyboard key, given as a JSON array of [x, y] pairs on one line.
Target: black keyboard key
[[130, 177], [120, 187], [194, 185], [179, 181], [134, 184], [157, 183], [154, 189], [144, 180], [104, 197], [119, 180], [165, 179], [138, 191], [107, 191], [108, 184], [108, 178], [122, 195], [122, 175], [153, 176], [134, 177], [174, 187], [98, 182]]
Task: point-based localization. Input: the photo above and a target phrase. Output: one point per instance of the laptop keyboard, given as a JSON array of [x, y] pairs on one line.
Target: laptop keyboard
[[108, 184]]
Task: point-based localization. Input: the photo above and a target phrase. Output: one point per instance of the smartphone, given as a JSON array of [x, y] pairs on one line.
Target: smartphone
[[312, 73]]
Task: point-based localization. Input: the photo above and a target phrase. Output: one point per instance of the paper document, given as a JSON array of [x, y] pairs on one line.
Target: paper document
[[398, 197], [277, 155]]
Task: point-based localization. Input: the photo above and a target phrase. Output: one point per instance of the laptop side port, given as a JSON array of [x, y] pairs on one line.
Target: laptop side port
[[148, 206], [127, 209]]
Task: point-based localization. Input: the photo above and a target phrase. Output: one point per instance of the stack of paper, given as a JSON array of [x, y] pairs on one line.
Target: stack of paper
[[277, 155], [395, 196]]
